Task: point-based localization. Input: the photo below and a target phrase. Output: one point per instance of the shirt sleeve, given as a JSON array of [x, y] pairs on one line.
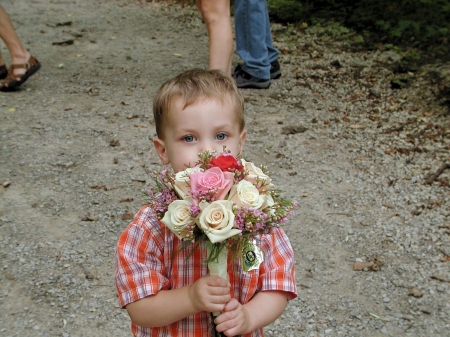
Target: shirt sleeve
[[278, 269], [139, 261]]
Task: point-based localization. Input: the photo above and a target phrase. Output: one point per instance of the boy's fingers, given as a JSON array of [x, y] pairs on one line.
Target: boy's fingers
[[220, 301], [220, 291], [223, 298], [215, 280], [231, 305]]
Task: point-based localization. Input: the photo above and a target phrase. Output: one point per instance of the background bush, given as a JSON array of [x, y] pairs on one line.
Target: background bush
[[421, 24]]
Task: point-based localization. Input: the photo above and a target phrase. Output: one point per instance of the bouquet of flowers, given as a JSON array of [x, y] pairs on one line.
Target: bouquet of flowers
[[222, 201]]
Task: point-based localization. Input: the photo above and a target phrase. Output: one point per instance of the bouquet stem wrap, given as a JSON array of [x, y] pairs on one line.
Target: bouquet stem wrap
[[218, 266]]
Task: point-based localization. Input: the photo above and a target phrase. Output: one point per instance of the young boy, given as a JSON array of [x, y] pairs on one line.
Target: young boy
[[167, 295]]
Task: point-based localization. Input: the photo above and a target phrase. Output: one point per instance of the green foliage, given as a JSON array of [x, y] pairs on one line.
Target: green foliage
[[287, 10], [423, 24]]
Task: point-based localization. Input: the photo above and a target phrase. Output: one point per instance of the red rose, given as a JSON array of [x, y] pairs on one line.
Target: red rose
[[226, 163]]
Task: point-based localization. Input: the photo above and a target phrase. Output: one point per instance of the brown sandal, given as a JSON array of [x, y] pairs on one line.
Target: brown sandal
[[3, 72], [11, 82]]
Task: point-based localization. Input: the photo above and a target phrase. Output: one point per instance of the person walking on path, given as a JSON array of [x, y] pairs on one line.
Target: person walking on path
[[23, 64], [254, 45], [217, 17]]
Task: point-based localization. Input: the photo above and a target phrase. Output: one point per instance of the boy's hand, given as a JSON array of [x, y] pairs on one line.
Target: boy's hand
[[233, 320], [210, 293]]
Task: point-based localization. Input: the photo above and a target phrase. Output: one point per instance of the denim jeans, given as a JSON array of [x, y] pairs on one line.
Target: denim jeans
[[253, 37]]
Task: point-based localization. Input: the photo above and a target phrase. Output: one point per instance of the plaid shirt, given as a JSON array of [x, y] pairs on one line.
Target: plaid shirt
[[145, 265]]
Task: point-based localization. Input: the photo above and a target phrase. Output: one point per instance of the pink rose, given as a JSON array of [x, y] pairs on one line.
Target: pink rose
[[181, 184], [210, 179]]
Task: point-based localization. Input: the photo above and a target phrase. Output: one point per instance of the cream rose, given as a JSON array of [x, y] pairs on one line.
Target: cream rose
[[182, 184], [217, 220], [178, 217], [269, 202], [256, 176], [246, 194]]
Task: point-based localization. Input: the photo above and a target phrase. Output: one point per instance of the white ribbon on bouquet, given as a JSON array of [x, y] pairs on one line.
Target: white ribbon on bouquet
[[219, 267]]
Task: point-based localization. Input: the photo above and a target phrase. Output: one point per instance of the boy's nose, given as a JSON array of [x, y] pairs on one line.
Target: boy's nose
[[208, 146]]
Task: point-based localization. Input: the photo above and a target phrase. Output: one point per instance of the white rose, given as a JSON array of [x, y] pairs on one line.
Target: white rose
[[217, 221], [182, 184], [256, 176], [246, 194], [269, 202], [178, 217]]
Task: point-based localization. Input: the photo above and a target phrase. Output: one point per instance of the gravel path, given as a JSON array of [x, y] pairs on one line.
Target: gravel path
[[76, 152]]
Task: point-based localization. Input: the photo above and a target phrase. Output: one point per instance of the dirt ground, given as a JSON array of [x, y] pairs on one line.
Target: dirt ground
[[335, 133]]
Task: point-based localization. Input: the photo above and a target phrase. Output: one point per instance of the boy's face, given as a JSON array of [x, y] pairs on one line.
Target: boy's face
[[204, 125]]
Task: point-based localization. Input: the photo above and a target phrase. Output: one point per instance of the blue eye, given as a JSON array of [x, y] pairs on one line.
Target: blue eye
[[189, 139], [221, 136]]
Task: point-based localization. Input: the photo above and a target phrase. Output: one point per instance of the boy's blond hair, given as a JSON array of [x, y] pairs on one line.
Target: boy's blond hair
[[192, 86]]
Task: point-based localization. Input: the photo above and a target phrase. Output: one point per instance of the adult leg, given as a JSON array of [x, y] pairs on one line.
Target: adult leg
[[217, 17], [23, 65], [2, 62], [271, 50], [252, 26], [3, 69], [275, 70], [19, 55]]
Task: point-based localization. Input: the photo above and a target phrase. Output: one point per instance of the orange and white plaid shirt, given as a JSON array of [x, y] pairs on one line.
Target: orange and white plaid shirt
[[145, 265]]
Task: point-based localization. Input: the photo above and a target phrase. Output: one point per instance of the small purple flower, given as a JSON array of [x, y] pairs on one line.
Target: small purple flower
[[194, 210]]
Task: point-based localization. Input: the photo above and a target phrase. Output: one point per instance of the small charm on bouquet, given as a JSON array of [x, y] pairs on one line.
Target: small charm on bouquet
[[252, 256]]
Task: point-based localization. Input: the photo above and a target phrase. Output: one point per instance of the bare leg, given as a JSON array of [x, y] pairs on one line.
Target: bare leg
[[217, 17], [2, 62], [19, 55], [3, 69]]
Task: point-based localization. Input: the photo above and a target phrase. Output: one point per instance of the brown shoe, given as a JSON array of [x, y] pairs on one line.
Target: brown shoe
[[3, 72], [10, 82]]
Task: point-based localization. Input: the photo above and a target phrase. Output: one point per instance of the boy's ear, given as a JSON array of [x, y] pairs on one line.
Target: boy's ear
[[242, 137], [160, 148]]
